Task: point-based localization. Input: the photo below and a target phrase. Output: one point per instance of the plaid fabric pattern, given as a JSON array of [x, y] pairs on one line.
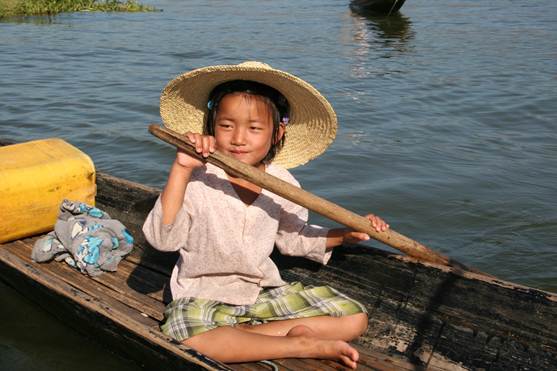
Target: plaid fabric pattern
[[186, 317]]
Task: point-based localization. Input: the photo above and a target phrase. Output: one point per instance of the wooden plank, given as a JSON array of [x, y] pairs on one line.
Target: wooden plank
[[102, 314], [75, 279], [132, 298], [70, 276], [108, 282], [143, 280], [412, 304], [382, 361], [458, 309], [369, 360], [249, 366], [302, 364]]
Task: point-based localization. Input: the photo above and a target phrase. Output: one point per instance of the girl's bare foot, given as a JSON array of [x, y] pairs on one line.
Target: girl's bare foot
[[336, 350], [301, 330]]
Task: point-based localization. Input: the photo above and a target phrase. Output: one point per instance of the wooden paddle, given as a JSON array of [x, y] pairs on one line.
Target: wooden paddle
[[306, 199]]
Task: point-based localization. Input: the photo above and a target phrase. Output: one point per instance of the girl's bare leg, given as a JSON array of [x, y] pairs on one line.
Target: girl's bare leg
[[229, 345], [325, 327]]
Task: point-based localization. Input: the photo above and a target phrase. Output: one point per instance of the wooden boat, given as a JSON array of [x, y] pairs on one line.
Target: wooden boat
[[421, 316], [376, 6]]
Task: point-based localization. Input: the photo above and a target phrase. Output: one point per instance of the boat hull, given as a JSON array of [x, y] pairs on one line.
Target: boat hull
[[376, 6], [419, 314]]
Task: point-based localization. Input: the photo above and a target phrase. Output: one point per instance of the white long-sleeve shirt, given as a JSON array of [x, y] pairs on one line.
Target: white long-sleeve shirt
[[225, 245]]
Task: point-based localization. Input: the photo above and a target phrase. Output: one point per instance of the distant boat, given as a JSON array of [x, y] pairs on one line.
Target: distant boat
[[376, 6]]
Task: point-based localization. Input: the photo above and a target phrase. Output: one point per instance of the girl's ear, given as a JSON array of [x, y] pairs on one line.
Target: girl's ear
[[281, 131]]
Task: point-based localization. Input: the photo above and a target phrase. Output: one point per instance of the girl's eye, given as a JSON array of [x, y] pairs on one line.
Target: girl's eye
[[224, 125]]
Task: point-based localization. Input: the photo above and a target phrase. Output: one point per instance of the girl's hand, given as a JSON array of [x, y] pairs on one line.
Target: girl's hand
[[204, 144], [377, 223]]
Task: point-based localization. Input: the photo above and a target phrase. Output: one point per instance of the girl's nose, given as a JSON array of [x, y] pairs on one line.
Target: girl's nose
[[238, 136]]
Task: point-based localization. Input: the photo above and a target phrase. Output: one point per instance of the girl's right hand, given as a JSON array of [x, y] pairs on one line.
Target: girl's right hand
[[204, 144]]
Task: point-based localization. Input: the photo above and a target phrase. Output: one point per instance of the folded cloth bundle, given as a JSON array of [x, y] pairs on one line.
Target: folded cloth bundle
[[85, 237]]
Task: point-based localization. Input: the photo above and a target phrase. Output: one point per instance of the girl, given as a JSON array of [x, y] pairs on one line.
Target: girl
[[229, 300]]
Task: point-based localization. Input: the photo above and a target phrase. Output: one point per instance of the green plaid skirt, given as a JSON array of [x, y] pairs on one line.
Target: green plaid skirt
[[186, 317]]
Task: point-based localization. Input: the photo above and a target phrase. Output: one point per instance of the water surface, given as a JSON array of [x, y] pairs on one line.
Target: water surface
[[446, 111]]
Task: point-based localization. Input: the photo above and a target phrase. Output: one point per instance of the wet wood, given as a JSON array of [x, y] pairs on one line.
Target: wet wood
[[116, 303], [77, 301], [420, 315], [435, 316]]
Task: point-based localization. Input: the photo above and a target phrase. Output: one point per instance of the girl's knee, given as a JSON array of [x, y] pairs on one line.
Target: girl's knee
[[357, 323]]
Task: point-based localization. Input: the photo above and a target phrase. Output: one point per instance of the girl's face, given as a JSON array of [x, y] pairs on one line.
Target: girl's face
[[244, 128]]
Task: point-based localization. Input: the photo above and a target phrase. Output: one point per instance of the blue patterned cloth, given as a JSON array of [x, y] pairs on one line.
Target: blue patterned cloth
[[86, 238]]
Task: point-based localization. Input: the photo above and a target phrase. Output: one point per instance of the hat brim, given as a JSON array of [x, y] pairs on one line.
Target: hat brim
[[312, 125]]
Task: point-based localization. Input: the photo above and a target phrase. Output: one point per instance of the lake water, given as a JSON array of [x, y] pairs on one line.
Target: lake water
[[447, 117]]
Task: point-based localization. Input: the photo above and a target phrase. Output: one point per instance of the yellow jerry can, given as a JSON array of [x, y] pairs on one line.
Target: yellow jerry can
[[34, 179]]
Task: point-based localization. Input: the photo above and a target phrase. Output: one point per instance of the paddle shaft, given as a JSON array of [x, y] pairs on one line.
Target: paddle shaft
[[301, 197]]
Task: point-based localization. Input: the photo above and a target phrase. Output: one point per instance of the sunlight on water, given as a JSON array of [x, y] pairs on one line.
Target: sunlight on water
[[446, 110], [450, 109]]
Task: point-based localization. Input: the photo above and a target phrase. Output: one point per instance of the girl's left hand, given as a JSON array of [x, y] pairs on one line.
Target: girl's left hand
[[376, 222]]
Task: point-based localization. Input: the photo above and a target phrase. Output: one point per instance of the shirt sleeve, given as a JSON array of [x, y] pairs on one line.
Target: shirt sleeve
[[166, 237], [298, 238]]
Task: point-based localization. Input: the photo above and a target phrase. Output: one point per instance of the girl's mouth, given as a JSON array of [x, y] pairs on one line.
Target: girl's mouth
[[237, 151]]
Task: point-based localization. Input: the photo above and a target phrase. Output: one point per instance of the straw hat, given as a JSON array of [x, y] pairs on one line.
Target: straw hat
[[312, 122]]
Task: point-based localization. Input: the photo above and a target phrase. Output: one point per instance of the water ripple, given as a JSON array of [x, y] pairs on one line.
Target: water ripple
[[446, 113]]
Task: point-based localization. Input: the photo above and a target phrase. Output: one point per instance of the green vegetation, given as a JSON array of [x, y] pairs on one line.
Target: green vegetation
[[50, 7]]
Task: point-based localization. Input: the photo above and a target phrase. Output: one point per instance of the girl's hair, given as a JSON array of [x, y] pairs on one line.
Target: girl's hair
[[275, 101]]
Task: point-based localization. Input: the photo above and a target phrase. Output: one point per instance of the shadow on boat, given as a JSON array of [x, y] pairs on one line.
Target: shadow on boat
[[391, 290], [157, 266]]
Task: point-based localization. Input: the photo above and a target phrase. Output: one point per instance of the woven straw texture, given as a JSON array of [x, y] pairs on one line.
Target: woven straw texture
[[312, 126]]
